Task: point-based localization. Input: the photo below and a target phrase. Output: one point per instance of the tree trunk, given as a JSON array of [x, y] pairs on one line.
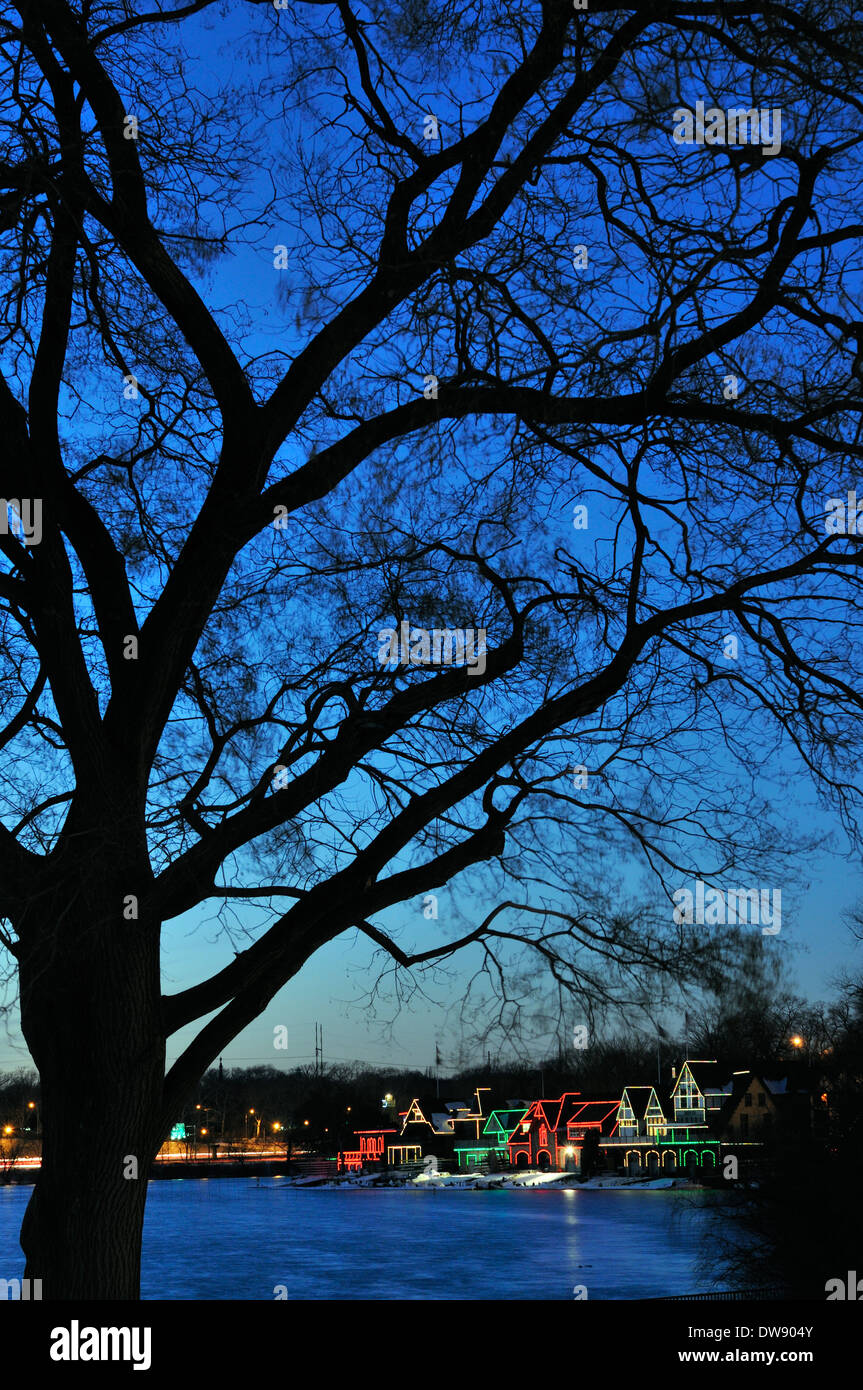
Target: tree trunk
[[90, 1011]]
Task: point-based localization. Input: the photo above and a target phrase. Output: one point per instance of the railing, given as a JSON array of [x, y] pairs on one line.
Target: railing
[[635, 1140], [776, 1294]]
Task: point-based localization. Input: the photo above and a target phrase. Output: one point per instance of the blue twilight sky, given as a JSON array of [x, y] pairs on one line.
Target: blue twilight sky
[[331, 988]]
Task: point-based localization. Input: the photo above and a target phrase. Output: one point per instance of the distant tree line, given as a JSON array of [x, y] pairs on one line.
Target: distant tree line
[[305, 1107]]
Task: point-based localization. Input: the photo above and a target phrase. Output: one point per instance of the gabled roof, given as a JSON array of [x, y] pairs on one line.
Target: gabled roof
[[740, 1083], [503, 1121], [425, 1111], [704, 1074], [415, 1113], [553, 1113], [599, 1114], [638, 1099]]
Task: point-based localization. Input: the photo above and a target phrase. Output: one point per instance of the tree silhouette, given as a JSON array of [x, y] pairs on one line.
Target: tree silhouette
[[419, 315]]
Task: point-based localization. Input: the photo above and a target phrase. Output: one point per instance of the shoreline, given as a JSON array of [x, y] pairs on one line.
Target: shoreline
[[465, 1182]]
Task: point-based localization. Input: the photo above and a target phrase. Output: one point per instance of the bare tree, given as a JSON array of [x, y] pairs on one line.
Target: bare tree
[[430, 319]]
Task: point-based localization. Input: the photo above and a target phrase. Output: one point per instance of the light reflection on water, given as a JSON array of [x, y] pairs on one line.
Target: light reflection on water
[[240, 1238]]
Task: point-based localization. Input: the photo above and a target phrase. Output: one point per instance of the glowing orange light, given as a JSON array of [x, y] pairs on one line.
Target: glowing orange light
[[797, 1041]]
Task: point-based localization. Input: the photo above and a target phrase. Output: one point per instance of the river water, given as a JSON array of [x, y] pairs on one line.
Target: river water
[[250, 1238]]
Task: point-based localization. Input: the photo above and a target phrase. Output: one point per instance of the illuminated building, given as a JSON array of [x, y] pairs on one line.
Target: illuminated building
[[550, 1127], [494, 1143], [371, 1149]]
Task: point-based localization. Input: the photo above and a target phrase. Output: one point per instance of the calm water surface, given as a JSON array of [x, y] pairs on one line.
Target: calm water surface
[[240, 1238]]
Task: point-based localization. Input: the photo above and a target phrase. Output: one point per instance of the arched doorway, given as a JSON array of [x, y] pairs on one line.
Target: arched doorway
[[690, 1160], [633, 1161], [543, 1159], [521, 1159], [708, 1159], [668, 1159], [653, 1163]]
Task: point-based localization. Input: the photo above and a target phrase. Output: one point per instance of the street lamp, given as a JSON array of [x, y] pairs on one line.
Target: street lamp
[[207, 1111], [32, 1105]]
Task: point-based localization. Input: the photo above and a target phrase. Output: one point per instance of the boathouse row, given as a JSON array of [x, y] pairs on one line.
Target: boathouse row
[[704, 1115]]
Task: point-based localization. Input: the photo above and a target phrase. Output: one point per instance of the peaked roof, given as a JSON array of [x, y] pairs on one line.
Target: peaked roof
[[703, 1073], [739, 1085], [595, 1112], [554, 1112], [638, 1099], [442, 1115], [503, 1121], [421, 1111]]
